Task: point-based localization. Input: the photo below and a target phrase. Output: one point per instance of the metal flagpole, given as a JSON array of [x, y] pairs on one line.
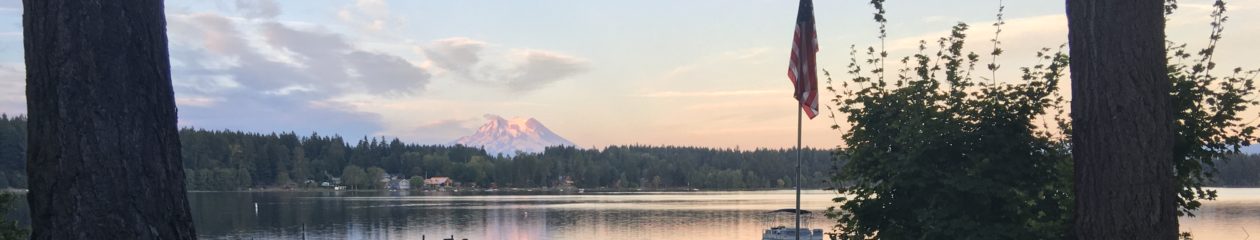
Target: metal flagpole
[[799, 110]]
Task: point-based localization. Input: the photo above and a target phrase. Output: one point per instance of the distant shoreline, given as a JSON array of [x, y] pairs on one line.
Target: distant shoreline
[[511, 190], [527, 190], [501, 190]]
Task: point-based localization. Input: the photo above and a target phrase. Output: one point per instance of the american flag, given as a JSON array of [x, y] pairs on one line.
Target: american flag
[[801, 68]]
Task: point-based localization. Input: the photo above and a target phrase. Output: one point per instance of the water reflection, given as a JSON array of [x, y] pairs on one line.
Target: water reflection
[[1234, 215], [366, 215], [701, 215]]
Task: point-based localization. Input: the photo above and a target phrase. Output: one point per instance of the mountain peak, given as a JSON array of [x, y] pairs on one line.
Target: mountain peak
[[509, 136]]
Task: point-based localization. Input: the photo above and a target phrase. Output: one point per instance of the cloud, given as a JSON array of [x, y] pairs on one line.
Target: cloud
[[938, 18], [747, 71], [215, 55], [755, 55], [369, 15], [389, 74], [258, 8], [280, 76], [457, 55], [12, 89], [1043, 31], [439, 132], [372, 7], [534, 69], [521, 70], [254, 112], [1020, 39], [311, 44], [197, 101], [735, 93]]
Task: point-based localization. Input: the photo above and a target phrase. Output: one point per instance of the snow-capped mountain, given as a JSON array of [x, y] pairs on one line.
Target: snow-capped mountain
[[508, 136]]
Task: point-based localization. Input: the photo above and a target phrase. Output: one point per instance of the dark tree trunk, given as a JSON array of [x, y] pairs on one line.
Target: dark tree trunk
[[1122, 136], [103, 154]]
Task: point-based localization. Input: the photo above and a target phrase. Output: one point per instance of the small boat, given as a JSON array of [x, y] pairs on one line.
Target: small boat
[[786, 233]]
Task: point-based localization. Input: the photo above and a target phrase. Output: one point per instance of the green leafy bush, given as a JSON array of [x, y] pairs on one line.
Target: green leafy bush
[[934, 153], [10, 229]]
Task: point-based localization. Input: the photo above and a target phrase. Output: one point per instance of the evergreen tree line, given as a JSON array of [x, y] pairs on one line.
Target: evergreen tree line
[[234, 160], [228, 160], [12, 151], [1239, 171]]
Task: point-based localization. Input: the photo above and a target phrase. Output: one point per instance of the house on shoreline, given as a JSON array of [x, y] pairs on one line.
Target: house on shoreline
[[438, 182], [399, 184]]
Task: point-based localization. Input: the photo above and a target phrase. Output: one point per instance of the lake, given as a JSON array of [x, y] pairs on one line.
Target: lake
[[688, 215]]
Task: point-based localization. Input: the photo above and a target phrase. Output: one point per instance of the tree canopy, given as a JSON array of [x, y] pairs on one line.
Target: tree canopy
[[939, 151], [232, 160]]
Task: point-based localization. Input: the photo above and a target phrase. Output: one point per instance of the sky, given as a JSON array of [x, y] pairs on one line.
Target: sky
[[657, 72]]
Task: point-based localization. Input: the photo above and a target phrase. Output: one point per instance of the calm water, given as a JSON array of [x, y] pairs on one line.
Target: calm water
[[368, 215], [698, 215], [1235, 215]]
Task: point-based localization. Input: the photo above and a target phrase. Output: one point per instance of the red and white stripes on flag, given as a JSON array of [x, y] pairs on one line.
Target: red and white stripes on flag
[[802, 67]]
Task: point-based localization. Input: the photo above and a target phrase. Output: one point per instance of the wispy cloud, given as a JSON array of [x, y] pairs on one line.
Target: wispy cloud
[[197, 101], [436, 132], [12, 88], [1035, 29], [733, 93], [748, 54], [456, 55], [279, 74], [533, 69], [938, 18], [258, 8], [369, 15], [216, 49], [520, 70]]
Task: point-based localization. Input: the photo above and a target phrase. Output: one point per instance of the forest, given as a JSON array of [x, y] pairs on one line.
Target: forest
[[233, 160]]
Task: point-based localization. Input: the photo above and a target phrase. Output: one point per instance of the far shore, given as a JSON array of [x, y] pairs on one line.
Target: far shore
[[474, 190], [507, 190], [518, 190]]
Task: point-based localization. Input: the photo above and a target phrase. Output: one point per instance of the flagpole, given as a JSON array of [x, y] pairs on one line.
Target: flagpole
[[799, 111]]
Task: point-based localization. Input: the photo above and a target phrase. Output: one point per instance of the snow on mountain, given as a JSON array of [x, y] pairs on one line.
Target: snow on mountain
[[508, 136]]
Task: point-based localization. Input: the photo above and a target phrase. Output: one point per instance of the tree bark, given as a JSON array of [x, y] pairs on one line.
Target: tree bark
[[104, 152], [1122, 136]]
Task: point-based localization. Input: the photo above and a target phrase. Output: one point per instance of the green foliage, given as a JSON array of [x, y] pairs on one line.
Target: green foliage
[[1209, 122], [416, 182], [479, 168], [12, 151], [355, 177], [10, 229], [217, 179], [282, 179], [934, 154], [374, 175], [321, 157], [231, 160], [301, 166]]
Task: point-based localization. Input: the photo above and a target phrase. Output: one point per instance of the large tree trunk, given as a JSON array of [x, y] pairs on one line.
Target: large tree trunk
[[104, 152], [1122, 136]]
